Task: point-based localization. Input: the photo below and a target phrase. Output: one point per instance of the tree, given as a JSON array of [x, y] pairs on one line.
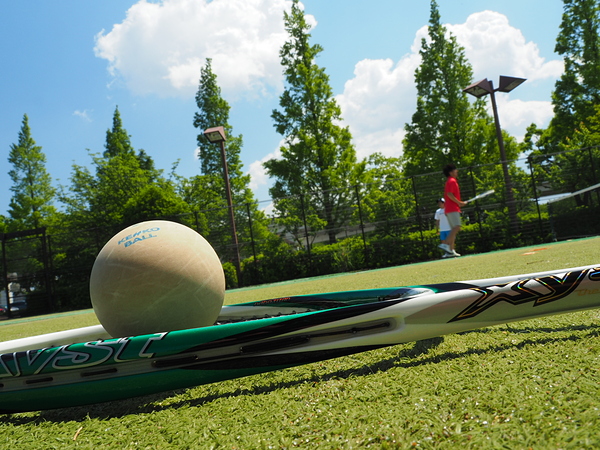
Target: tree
[[155, 201], [575, 100], [118, 190], [446, 127], [207, 191], [318, 161], [388, 198], [118, 185], [33, 194], [213, 111], [578, 89], [575, 166], [118, 142]]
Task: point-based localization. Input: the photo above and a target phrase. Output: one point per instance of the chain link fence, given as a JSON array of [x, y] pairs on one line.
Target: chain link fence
[[554, 197]]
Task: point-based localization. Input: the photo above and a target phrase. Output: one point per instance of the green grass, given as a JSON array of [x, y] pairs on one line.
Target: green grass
[[532, 384]]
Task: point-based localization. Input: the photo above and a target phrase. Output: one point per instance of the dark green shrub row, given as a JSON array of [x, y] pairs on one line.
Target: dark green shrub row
[[283, 263]]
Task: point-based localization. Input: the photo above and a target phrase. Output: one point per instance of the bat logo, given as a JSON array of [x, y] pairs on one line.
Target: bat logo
[[539, 291]]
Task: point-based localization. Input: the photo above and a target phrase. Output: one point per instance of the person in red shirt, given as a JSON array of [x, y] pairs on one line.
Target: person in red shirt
[[453, 204]]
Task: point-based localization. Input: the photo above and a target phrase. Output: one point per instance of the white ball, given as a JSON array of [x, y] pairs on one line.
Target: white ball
[[156, 276]]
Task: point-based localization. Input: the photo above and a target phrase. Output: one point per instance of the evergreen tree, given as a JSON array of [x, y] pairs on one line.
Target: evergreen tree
[[119, 192], [318, 161], [3, 226], [118, 142], [446, 127], [121, 188], [575, 99], [33, 194], [578, 89], [574, 166], [387, 197], [206, 192], [213, 111]]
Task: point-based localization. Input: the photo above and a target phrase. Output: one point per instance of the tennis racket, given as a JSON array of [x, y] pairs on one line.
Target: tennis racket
[[483, 194], [273, 334]]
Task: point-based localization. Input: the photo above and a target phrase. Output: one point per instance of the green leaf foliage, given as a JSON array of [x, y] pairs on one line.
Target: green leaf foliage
[[446, 127], [206, 192], [155, 201], [31, 205], [213, 111], [578, 89], [317, 157], [118, 142], [563, 170], [125, 188]]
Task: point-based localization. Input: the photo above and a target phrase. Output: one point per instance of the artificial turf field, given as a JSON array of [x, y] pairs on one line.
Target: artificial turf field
[[531, 384]]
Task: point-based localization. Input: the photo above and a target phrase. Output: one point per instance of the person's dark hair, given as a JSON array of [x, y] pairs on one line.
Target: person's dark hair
[[448, 168]]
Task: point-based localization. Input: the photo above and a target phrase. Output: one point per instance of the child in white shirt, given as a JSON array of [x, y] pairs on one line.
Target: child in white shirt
[[442, 226]]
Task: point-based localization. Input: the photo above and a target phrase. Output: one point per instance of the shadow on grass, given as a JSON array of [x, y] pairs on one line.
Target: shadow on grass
[[407, 358], [511, 329]]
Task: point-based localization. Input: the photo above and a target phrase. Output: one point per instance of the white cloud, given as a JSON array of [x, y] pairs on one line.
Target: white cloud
[[377, 102], [258, 176], [85, 115], [386, 141], [495, 48], [381, 97], [160, 47], [517, 115]]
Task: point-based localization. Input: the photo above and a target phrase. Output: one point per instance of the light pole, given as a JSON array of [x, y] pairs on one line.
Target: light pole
[[480, 89], [217, 135]]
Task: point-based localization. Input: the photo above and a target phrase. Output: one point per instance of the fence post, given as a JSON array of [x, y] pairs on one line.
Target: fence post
[[306, 231], [5, 276], [47, 277], [424, 250], [593, 166], [362, 225], [535, 195], [477, 209], [252, 239], [196, 222]]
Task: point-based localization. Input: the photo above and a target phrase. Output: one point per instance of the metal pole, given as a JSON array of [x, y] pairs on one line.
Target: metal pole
[[305, 225], [594, 179], [5, 275], [362, 226], [510, 199], [535, 195], [253, 243], [477, 209], [238, 267], [47, 279], [423, 247]]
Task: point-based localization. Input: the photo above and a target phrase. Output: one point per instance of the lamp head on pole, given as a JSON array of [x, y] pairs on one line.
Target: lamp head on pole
[[484, 87], [215, 135], [479, 88], [507, 84]]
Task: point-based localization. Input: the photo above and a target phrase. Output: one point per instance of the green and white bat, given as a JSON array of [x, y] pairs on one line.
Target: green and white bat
[[86, 366]]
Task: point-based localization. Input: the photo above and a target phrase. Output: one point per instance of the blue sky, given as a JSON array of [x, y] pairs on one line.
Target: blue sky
[[68, 64]]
